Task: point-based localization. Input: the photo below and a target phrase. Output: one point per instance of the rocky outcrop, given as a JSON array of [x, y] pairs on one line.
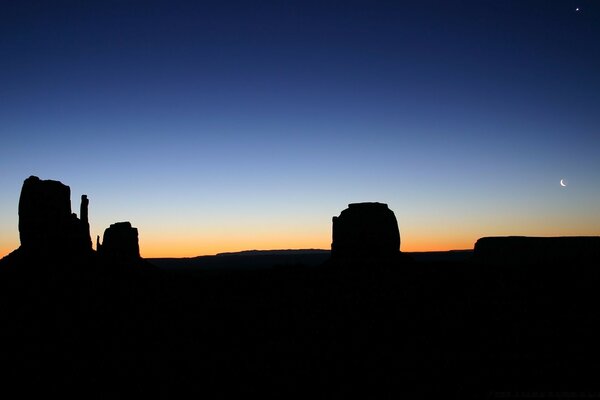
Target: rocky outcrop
[[511, 250], [365, 230], [120, 242], [46, 223]]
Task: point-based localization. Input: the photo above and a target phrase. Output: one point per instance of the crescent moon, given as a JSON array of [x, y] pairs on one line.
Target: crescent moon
[[563, 183]]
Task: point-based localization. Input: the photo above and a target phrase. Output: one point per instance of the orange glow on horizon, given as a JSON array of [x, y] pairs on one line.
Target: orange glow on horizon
[[160, 249], [4, 251], [161, 245]]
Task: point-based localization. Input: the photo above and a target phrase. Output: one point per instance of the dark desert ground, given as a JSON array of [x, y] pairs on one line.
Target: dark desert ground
[[487, 324]]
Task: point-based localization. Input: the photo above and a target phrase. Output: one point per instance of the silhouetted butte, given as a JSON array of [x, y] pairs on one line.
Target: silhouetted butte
[[46, 224], [365, 230], [120, 242]]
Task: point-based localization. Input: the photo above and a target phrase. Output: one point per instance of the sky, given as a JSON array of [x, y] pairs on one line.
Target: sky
[[217, 126]]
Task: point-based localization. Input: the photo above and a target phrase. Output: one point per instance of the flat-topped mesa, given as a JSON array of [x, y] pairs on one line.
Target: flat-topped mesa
[[46, 223], [365, 230], [120, 242], [523, 250]]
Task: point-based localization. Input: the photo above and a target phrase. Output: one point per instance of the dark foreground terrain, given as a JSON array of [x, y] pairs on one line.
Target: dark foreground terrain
[[370, 327]]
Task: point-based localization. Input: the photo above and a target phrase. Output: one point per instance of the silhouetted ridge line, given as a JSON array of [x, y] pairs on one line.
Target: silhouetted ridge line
[[442, 256], [272, 252], [246, 260], [537, 250], [340, 330]]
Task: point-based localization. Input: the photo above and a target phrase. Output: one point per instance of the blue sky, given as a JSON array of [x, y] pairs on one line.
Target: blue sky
[[222, 126]]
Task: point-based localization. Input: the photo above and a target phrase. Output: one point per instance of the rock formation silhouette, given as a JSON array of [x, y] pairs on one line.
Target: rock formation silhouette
[[365, 230], [120, 242], [46, 224], [108, 324], [511, 250]]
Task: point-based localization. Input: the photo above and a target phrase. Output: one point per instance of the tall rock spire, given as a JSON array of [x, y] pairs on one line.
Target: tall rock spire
[[83, 215]]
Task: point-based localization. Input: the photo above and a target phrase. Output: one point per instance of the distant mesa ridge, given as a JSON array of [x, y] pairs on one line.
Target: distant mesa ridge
[[271, 252], [365, 230], [512, 250]]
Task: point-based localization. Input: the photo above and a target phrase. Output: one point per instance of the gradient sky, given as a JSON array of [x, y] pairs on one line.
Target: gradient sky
[[223, 126]]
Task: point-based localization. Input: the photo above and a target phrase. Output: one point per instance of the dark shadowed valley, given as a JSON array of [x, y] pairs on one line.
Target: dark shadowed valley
[[513, 315]]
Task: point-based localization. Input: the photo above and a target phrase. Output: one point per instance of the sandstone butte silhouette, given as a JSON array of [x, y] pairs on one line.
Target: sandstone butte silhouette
[[454, 323], [364, 231], [370, 231], [46, 223], [49, 230], [120, 241]]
